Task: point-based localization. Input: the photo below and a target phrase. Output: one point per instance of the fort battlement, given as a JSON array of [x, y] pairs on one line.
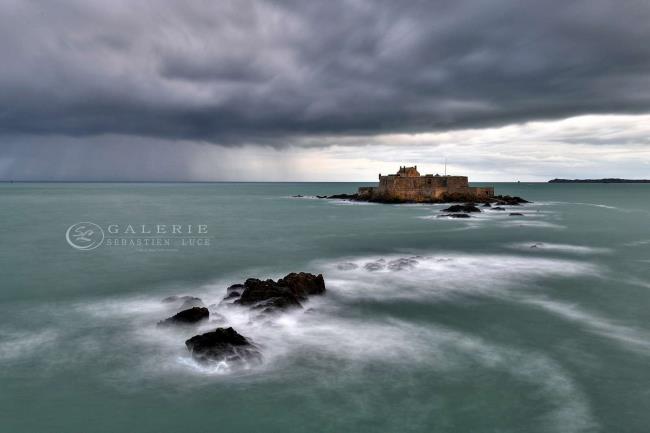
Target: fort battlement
[[407, 185]]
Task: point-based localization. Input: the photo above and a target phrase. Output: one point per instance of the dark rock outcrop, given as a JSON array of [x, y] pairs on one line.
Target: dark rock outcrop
[[222, 344], [303, 284], [498, 208], [344, 196], [509, 200], [187, 317], [467, 207], [269, 295]]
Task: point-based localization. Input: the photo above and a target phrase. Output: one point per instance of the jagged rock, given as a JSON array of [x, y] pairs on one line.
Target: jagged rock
[[498, 208], [454, 215], [462, 208], [270, 295], [303, 284], [187, 317], [516, 214], [223, 344]]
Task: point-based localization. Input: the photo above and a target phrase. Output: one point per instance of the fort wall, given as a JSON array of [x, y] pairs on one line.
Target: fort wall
[[409, 185]]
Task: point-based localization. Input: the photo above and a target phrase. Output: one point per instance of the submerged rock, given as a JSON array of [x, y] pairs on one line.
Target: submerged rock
[[402, 263], [498, 208], [222, 344], [184, 302], [516, 214], [377, 265], [347, 266], [468, 207], [454, 215], [187, 317]]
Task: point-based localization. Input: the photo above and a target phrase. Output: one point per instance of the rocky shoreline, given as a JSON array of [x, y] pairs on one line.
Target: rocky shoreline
[[499, 200], [456, 210], [264, 297]]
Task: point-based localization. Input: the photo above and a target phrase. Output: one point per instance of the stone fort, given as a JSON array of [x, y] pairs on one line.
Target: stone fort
[[409, 186]]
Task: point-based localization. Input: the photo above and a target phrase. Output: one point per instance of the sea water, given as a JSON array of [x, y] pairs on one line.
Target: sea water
[[496, 323]]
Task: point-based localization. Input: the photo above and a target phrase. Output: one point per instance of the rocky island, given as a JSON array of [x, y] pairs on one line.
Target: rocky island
[[408, 186]]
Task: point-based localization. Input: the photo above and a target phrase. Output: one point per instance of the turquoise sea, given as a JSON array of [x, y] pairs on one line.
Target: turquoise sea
[[496, 323]]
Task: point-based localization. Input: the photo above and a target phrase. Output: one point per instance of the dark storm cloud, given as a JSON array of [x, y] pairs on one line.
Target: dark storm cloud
[[255, 71]]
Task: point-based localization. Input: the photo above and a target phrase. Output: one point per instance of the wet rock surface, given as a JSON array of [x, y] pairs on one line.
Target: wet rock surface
[[509, 200], [222, 344], [269, 295], [187, 317], [454, 215], [467, 207]]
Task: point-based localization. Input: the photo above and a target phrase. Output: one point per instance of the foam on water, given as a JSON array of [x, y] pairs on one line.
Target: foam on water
[[628, 337], [16, 345], [443, 275], [533, 246]]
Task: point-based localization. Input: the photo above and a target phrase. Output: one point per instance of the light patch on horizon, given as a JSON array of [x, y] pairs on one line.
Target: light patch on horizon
[[582, 146]]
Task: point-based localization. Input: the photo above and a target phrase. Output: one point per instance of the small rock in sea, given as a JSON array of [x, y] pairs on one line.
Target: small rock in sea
[[321, 196], [462, 208], [516, 214], [377, 265], [402, 263], [297, 196], [347, 266], [537, 245], [498, 208], [184, 299], [187, 317], [343, 196], [509, 200], [454, 215], [223, 344], [487, 204]]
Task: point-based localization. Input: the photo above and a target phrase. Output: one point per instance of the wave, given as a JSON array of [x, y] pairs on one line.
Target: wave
[[628, 337], [533, 246], [15, 345], [442, 275]]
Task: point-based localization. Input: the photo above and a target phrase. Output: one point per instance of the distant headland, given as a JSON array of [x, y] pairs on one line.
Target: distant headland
[[605, 180]]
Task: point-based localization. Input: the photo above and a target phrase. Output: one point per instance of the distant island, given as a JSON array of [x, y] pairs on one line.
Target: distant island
[[408, 186], [606, 180]]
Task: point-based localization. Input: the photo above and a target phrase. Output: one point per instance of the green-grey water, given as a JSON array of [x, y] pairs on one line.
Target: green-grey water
[[498, 323]]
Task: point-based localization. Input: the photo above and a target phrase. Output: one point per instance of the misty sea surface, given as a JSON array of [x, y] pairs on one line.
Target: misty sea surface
[[496, 323]]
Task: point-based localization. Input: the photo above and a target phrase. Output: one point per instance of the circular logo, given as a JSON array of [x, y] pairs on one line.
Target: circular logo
[[84, 236]]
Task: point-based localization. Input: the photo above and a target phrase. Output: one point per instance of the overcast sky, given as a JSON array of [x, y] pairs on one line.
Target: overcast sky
[[323, 90]]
